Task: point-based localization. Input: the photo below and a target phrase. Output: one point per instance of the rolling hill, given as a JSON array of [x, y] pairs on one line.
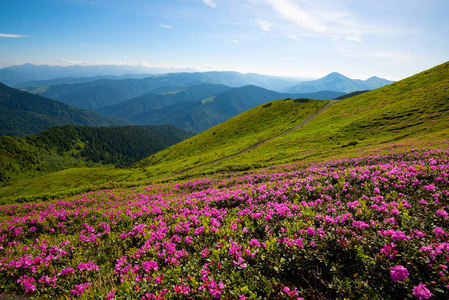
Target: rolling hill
[[23, 113], [337, 82]]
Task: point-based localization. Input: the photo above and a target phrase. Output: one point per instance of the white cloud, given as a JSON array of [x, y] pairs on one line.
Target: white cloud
[[293, 37], [6, 35], [293, 12], [236, 42], [324, 18], [95, 46], [211, 3], [353, 38], [264, 24], [166, 26]]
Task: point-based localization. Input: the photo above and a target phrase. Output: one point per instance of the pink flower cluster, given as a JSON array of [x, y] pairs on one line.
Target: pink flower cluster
[[383, 211]]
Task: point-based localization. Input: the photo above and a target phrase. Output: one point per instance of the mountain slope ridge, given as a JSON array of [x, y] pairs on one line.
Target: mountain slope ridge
[[24, 113], [312, 116], [340, 83]]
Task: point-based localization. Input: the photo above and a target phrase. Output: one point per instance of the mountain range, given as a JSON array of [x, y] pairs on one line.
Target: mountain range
[[17, 74], [337, 82], [28, 75], [192, 101]]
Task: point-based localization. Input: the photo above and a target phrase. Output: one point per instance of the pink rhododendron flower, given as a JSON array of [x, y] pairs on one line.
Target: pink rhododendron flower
[[442, 213], [111, 294], [80, 288], [89, 266], [421, 291], [398, 273], [149, 266], [182, 289], [254, 243], [205, 253], [311, 231], [399, 236], [27, 283], [439, 231]]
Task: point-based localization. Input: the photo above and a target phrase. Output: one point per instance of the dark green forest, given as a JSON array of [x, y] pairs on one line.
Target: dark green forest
[[62, 147]]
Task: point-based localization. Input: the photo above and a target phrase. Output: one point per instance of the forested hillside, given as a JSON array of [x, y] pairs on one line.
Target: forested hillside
[[62, 147], [23, 113]]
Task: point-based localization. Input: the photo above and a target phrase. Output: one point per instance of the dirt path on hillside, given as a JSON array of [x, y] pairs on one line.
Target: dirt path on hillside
[[310, 118]]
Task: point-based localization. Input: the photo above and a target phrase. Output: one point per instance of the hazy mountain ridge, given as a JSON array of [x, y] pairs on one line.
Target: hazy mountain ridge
[[126, 89], [136, 106], [28, 71], [19, 75], [338, 82]]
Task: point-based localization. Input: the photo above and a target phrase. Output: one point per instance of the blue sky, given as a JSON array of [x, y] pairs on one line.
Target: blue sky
[[305, 38]]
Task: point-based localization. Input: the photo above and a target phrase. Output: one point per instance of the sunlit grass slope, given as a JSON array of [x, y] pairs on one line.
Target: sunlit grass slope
[[67, 182], [232, 136], [416, 107]]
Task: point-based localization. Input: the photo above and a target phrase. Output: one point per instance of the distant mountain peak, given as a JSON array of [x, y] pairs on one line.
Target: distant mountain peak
[[334, 74], [339, 83]]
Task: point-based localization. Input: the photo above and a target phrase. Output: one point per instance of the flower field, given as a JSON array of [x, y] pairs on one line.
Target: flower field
[[373, 227]]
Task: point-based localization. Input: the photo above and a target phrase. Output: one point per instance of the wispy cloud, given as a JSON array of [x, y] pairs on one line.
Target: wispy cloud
[[235, 41], [211, 3], [292, 11], [264, 24], [293, 37], [326, 18], [14, 36], [166, 26], [95, 46]]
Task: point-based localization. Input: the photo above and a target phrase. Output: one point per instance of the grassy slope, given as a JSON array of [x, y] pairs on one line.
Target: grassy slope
[[68, 182], [417, 107], [232, 136]]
